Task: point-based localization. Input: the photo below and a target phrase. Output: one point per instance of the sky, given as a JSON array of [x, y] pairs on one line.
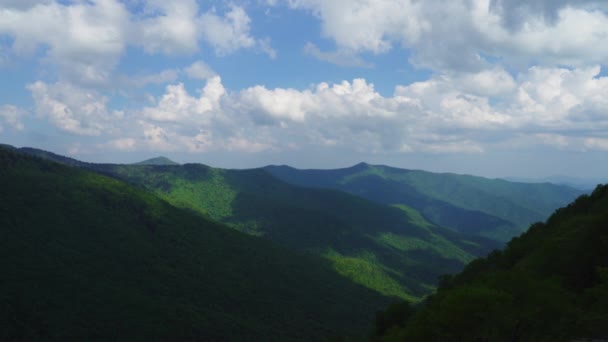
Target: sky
[[486, 87]]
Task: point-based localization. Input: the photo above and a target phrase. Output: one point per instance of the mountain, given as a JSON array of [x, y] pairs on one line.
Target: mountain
[[549, 284], [584, 184], [157, 161], [492, 208], [390, 249], [88, 257]]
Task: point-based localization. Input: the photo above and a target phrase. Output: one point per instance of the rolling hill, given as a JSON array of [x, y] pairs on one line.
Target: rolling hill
[[390, 249], [491, 208], [549, 284], [88, 257]]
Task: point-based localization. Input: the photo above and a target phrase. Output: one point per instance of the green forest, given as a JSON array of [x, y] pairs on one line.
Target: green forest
[[549, 284], [87, 257], [162, 251]]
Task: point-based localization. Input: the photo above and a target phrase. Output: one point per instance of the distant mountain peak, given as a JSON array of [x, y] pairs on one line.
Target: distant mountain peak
[[157, 161], [361, 166]]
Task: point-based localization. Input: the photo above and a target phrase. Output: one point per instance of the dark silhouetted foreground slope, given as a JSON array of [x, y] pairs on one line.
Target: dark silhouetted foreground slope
[[87, 257], [550, 284]]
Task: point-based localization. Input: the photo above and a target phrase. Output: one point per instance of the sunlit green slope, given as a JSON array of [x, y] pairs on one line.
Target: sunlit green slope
[[387, 249]]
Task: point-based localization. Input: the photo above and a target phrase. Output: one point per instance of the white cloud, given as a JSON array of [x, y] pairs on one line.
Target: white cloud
[[562, 99], [228, 33], [11, 116], [454, 113], [565, 109], [73, 109], [174, 30], [176, 105], [200, 70], [367, 25], [231, 32], [83, 39], [456, 35]]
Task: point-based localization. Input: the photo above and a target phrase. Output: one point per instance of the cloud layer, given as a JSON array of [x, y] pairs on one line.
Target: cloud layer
[[503, 75]]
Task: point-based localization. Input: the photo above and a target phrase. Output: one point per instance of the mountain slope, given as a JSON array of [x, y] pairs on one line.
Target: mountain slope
[[380, 247], [87, 257], [550, 284], [474, 205], [392, 250]]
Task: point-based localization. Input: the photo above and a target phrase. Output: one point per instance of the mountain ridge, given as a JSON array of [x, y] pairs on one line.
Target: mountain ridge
[[447, 199], [385, 248], [104, 260]]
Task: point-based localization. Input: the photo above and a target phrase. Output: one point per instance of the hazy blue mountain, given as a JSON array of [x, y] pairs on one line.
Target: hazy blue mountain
[[157, 161], [492, 208], [584, 184]]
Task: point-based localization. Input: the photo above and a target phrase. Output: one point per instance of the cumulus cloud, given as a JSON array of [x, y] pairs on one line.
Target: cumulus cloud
[[11, 115], [483, 91], [461, 34], [73, 109], [514, 13], [83, 39], [448, 113], [231, 31], [199, 70], [176, 105], [173, 30]]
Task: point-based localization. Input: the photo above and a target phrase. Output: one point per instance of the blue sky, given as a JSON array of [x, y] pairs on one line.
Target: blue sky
[[486, 87]]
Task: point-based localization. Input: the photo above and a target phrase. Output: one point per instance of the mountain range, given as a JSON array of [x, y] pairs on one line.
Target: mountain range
[[378, 233], [493, 208], [88, 257]]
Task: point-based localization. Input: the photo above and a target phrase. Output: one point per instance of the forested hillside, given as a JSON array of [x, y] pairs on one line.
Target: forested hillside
[[392, 250], [550, 284], [87, 257]]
